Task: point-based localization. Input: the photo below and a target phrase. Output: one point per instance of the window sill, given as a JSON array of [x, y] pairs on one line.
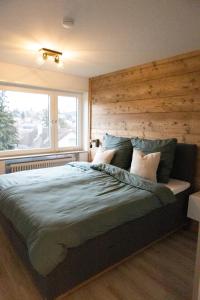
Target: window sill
[[42, 155]]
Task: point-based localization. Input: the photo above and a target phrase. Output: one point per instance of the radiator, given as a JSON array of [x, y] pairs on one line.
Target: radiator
[[17, 167]]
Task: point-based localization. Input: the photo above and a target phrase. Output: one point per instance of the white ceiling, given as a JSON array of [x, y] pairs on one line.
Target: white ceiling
[[108, 34]]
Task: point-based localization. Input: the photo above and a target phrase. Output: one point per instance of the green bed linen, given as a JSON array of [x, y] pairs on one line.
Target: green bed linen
[[59, 208]]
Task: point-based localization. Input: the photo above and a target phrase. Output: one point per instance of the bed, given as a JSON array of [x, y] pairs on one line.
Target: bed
[[91, 251]]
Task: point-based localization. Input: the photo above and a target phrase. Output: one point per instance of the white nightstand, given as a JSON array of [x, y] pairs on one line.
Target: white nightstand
[[194, 213]]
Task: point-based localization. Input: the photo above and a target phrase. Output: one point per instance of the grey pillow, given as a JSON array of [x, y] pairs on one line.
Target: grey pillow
[[166, 147], [124, 150]]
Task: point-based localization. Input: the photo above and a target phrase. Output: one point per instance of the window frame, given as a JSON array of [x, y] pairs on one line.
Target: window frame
[[53, 120]]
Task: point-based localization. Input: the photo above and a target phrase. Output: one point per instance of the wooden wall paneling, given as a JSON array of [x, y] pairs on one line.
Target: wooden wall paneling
[[174, 66], [176, 85], [156, 100], [166, 104]]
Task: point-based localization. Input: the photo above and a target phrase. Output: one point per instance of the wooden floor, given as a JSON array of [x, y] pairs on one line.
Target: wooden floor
[[162, 272]]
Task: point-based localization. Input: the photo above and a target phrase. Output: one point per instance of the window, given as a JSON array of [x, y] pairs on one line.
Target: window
[[34, 121], [25, 122], [67, 121]]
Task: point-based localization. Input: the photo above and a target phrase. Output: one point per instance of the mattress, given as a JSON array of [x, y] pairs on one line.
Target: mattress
[[177, 186]]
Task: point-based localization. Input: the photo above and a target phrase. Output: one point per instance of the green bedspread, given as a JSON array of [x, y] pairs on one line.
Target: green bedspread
[[59, 208]]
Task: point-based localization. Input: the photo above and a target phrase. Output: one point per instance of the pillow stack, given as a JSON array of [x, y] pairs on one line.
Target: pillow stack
[[167, 149], [151, 159]]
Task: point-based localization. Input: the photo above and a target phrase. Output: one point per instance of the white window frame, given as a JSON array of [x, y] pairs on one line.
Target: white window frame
[[53, 97]]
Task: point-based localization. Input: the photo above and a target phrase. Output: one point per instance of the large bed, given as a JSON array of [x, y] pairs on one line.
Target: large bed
[[65, 242]]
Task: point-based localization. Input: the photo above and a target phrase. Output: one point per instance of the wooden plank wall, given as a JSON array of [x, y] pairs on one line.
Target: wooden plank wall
[[156, 100]]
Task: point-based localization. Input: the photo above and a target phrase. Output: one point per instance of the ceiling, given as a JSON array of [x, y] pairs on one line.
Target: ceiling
[[108, 35]]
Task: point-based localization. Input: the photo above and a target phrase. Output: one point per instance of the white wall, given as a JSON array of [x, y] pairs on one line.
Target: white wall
[[32, 77], [20, 75]]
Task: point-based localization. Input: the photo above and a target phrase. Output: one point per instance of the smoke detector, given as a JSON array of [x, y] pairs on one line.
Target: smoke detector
[[68, 23]]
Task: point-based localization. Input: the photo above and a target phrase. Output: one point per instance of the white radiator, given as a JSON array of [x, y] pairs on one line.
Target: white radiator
[[17, 167]]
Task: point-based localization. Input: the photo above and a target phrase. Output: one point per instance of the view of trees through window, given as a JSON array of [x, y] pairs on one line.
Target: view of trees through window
[[25, 122], [8, 132]]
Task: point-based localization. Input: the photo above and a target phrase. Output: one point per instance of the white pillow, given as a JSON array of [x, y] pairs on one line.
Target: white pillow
[[145, 165], [103, 156]]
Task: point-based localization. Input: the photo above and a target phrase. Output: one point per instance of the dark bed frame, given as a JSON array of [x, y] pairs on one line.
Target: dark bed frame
[[96, 255]]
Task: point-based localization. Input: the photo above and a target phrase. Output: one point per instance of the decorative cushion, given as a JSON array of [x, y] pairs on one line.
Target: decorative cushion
[[123, 147], [166, 147], [103, 156], [145, 165]]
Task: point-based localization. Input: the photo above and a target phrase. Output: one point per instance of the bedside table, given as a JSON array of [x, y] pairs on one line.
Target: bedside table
[[194, 213]]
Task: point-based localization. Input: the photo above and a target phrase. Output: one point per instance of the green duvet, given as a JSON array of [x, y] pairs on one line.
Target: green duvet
[[59, 208]]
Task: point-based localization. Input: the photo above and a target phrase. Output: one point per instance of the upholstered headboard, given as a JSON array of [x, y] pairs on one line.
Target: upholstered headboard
[[185, 163]]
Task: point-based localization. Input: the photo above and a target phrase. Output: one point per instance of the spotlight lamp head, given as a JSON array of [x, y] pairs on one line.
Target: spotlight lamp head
[[44, 55], [57, 59]]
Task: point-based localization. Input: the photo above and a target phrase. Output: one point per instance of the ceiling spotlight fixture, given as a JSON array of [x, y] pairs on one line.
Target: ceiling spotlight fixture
[[52, 54], [68, 23]]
